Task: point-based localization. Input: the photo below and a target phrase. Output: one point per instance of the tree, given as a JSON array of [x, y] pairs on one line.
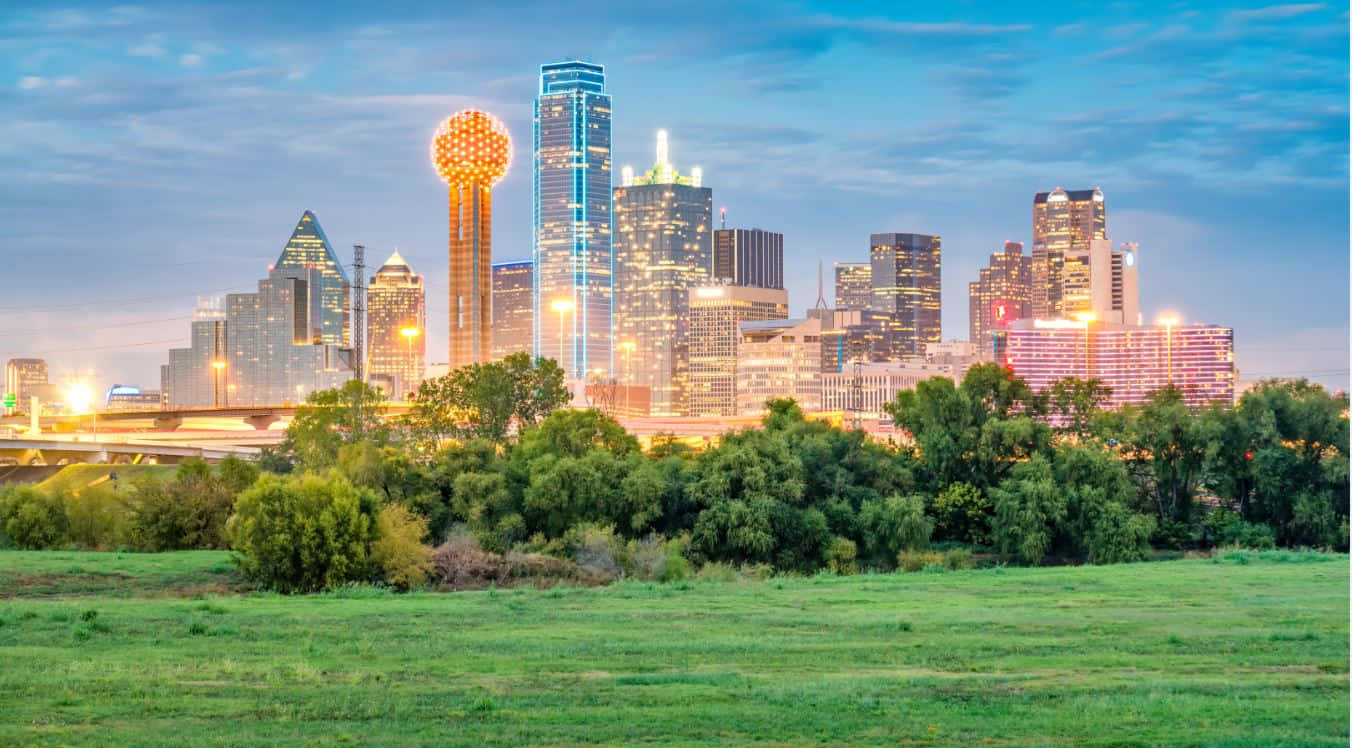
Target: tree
[[893, 525], [32, 518], [1074, 403], [188, 511], [1165, 448], [962, 513], [483, 401], [331, 418], [974, 433]]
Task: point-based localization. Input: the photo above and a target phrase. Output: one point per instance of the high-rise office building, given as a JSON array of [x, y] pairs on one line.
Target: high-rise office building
[[269, 347], [749, 257], [23, 377], [905, 286], [1131, 360], [854, 285], [779, 358], [1001, 294], [571, 197], [716, 313], [662, 250], [396, 327], [512, 283], [1064, 223], [471, 151]]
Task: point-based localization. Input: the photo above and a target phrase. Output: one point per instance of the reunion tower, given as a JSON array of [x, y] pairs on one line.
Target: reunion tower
[[471, 151]]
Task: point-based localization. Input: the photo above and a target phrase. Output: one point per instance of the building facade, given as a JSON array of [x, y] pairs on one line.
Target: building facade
[[571, 195], [662, 250], [779, 358], [192, 378], [749, 257], [905, 281], [396, 333], [328, 293], [1064, 223], [1001, 294], [854, 285], [23, 378], [867, 387], [512, 282], [1131, 360], [716, 313]]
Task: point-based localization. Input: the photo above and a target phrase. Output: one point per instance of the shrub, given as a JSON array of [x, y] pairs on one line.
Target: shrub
[[1226, 528], [963, 513], [893, 525], [840, 556], [1118, 535], [655, 559], [716, 571], [599, 551], [97, 518], [957, 558], [189, 511], [462, 564], [31, 518], [911, 560], [759, 572], [398, 548], [306, 533]]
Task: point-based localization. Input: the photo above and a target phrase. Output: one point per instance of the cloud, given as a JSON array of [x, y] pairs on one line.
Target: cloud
[[146, 49], [30, 82], [1276, 12], [190, 60]]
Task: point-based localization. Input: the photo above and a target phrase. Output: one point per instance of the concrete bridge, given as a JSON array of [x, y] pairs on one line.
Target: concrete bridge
[[260, 417], [56, 449]]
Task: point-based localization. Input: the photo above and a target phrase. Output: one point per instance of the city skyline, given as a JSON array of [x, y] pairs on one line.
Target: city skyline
[[1193, 213]]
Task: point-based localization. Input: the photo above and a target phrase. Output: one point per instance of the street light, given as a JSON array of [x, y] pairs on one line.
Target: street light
[[79, 401], [219, 366], [409, 334], [562, 306], [1169, 320], [1086, 318], [628, 347]]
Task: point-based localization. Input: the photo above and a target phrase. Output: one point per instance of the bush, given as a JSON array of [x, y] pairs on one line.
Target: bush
[[1118, 535], [97, 518], [912, 560], [655, 559], [189, 511], [33, 519], [398, 548], [840, 556], [893, 525], [963, 513], [462, 564], [1227, 528], [716, 571], [957, 558], [306, 533], [600, 551]]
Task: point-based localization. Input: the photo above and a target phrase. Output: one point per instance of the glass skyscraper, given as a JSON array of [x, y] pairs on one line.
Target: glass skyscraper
[[1064, 223], [572, 295], [905, 286], [396, 326], [511, 308]]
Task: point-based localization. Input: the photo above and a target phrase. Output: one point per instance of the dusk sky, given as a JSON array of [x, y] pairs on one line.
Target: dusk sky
[[155, 153]]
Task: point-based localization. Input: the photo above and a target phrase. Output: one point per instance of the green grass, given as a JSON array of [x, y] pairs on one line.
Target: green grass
[[1247, 649], [74, 477]]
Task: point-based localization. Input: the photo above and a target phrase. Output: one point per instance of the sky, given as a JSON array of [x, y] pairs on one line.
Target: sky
[[156, 153]]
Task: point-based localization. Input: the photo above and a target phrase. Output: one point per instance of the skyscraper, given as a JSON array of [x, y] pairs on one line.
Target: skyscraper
[[396, 326], [571, 198], [1064, 223], [905, 286], [854, 285], [270, 347], [662, 250], [716, 312], [471, 151], [749, 257], [779, 358], [23, 376], [511, 308], [1001, 294]]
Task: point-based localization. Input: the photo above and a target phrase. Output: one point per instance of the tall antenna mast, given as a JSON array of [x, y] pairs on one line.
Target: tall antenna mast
[[359, 312], [821, 297], [723, 217]]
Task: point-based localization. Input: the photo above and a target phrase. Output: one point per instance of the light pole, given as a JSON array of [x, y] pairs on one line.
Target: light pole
[[1169, 320], [409, 334], [218, 366], [1086, 318], [628, 348], [562, 306]]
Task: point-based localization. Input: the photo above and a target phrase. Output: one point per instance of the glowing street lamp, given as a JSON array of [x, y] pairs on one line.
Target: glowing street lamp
[[562, 307], [218, 367], [1169, 320], [79, 401]]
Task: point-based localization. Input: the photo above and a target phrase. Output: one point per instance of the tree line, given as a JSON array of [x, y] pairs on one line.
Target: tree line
[[488, 458]]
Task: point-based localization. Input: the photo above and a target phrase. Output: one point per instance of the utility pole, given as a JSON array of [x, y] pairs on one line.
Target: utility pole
[[359, 312]]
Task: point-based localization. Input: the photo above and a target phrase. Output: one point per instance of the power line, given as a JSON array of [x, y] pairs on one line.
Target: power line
[[109, 347], [105, 327], [88, 303]]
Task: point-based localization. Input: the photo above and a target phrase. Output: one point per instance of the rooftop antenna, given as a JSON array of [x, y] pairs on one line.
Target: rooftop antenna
[[723, 217], [359, 311], [821, 297]]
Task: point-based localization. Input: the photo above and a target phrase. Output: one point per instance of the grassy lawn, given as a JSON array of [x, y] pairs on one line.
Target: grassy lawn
[[1251, 649]]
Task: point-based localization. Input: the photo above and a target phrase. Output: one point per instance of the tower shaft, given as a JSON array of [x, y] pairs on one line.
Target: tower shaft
[[471, 259]]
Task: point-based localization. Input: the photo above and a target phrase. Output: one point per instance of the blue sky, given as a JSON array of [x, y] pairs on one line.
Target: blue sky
[[154, 153]]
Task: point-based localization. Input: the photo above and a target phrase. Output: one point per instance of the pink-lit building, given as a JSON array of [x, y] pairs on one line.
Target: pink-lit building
[[1132, 360]]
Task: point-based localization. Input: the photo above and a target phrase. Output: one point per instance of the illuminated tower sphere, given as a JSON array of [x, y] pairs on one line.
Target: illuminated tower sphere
[[471, 151]]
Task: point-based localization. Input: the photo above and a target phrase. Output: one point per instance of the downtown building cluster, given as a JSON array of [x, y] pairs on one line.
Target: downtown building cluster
[[651, 310]]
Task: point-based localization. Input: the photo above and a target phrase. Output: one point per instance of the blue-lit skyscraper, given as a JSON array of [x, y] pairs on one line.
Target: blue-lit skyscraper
[[572, 293]]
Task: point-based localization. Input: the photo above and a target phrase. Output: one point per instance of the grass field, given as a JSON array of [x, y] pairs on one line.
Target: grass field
[[1247, 649]]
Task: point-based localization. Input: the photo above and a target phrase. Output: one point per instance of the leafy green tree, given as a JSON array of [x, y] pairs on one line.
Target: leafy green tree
[[1165, 449], [305, 533], [331, 418], [236, 474], [573, 433], [1075, 403], [477, 502], [565, 491], [893, 525], [483, 401], [974, 433], [32, 518], [962, 513], [1028, 508], [490, 511]]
